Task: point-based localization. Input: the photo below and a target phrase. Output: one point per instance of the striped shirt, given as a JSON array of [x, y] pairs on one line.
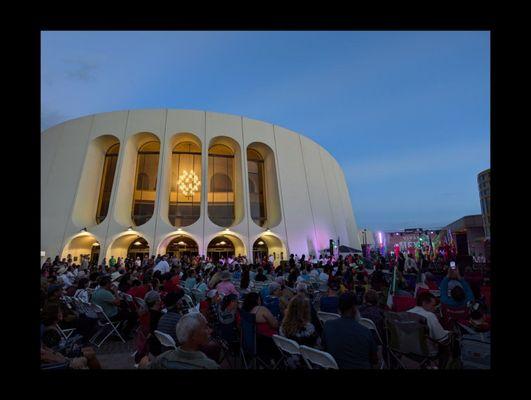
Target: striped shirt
[[168, 322]]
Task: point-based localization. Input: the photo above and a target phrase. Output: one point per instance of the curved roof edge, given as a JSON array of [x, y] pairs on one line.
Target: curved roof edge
[[195, 110]]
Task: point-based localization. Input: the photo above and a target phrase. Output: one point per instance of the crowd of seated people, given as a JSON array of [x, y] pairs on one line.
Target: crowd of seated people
[[200, 303]]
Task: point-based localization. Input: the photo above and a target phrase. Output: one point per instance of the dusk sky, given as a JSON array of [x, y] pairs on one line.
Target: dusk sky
[[406, 114]]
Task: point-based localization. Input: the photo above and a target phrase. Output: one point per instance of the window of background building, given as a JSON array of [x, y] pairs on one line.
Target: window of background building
[[184, 209], [255, 170], [221, 188], [107, 179], [145, 183]]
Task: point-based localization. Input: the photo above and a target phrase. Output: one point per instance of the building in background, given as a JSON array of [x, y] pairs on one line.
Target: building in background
[[137, 182], [484, 198], [468, 235]]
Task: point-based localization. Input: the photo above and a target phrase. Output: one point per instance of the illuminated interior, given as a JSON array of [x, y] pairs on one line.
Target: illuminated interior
[[185, 185], [145, 182]]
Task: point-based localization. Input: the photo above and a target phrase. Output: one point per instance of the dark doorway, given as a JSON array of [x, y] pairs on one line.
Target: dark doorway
[[219, 247], [260, 250], [182, 246], [138, 248]]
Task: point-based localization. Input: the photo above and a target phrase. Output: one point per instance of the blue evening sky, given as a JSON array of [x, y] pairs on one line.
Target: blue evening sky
[[406, 114]]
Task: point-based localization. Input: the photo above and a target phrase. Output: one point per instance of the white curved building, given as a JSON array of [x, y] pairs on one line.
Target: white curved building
[[185, 181]]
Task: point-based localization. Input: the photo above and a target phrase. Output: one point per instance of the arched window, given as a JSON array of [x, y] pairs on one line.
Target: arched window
[[255, 170], [142, 181], [221, 183], [221, 190], [146, 182], [107, 179], [185, 186]]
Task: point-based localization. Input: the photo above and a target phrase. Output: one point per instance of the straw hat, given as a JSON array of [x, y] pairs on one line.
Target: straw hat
[[115, 275]]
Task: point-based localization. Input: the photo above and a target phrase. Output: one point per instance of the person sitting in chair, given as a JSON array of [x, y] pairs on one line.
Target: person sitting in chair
[[330, 302], [426, 303], [351, 344], [192, 332]]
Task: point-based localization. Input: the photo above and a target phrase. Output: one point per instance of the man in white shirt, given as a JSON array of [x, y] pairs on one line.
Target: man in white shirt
[[162, 266], [425, 307]]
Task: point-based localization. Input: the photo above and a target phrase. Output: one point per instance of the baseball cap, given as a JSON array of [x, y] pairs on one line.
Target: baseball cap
[[152, 296]]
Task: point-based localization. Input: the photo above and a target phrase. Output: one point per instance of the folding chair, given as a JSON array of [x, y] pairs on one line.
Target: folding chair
[[84, 308], [54, 366], [451, 315], [165, 339], [104, 323], [317, 358], [188, 301], [65, 333], [325, 316], [273, 305], [288, 348], [248, 341], [408, 336], [369, 324]]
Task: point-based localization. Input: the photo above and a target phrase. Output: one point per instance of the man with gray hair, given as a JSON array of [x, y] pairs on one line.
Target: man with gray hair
[[192, 333]]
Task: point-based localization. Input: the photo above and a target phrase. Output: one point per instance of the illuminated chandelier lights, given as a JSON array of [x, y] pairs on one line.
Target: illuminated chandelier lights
[[188, 183]]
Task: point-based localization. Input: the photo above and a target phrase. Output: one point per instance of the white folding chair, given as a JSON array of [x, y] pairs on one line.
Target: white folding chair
[[65, 333], [369, 324], [317, 357], [326, 316], [287, 348], [104, 322], [188, 301], [165, 339], [84, 308]]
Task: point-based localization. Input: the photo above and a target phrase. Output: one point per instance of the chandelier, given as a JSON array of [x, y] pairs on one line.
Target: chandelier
[[188, 183]]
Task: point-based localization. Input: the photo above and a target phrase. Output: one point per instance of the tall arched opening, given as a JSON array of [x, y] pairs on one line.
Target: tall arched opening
[[260, 250], [220, 246], [181, 246], [138, 248], [81, 245]]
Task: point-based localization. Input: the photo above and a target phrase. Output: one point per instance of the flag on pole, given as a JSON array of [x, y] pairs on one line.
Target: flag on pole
[[391, 290]]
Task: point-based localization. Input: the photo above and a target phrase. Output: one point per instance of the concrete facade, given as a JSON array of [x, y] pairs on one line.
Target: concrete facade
[[307, 200], [484, 198]]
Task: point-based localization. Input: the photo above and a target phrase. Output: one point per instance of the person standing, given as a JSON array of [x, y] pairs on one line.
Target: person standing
[[162, 266]]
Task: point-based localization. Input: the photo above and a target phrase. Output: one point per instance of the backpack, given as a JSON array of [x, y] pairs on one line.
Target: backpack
[[475, 351]]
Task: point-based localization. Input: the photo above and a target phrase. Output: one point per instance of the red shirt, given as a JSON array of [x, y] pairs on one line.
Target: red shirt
[[176, 280], [170, 286], [139, 291]]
